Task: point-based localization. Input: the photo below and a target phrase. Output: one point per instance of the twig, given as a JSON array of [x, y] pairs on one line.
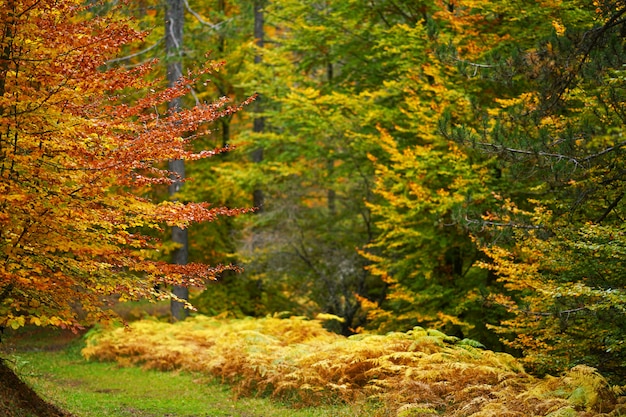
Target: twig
[[126, 58], [500, 224], [201, 19]]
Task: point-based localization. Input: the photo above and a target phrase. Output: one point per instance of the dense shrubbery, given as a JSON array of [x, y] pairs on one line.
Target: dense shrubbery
[[420, 372]]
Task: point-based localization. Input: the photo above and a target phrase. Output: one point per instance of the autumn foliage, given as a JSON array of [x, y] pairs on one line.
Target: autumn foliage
[[416, 373], [81, 142], [452, 164]]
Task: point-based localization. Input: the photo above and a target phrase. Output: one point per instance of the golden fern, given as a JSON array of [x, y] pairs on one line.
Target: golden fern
[[420, 372]]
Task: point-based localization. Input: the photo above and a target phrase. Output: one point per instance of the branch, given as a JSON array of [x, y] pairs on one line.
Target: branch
[[500, 224], [559, 313], [501, 148], [538, 313], [594, 36], [607, 150], [201, 19], [474, 64], [170, 30], [610, 208], [131, 56], [575, 161]]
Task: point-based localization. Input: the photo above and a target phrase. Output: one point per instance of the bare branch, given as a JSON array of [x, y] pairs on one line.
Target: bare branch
[[575, 161], [131, 56], [501, 148], [559, 313], [201, 19], [474, 64], [170, 29], [501, 224]]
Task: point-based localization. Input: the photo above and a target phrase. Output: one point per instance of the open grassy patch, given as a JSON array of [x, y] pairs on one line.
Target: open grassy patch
[[63, 377], [104, 389], [421, 372]]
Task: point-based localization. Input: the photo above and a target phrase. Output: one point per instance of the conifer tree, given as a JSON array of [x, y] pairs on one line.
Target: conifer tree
[[557, 234]]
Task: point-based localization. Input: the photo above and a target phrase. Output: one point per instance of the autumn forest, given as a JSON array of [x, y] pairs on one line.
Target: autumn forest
[[455, 165]]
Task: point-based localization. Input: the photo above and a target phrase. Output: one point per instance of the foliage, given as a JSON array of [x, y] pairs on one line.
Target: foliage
[[423, 251], [239, 295], [356, 161], [314, 173], [81, 144], [557, 233], [333, 76], [456, 164], [296, 359]]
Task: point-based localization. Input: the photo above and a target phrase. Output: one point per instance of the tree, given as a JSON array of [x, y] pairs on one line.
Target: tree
[[426, 187], [259, 122], [558, 237], [335, 73], [221, 29], [80, 146], [174, 24], [315, 169]]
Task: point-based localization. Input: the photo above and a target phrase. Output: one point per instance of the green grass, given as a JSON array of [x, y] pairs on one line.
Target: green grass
[[93, 389]]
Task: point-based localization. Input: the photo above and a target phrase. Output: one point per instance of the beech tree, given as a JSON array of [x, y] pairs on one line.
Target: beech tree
[[80, 145], [315, 171]]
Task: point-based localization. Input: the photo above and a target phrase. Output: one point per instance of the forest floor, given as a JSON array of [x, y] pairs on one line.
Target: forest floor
[[44, 375], [18, 399], [156, 369]]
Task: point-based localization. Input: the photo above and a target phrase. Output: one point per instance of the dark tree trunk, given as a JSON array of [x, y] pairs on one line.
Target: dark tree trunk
[[258, 198], [174, 21]]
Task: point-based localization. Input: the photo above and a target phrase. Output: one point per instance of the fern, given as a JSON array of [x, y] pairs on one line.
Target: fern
[[417, 373]]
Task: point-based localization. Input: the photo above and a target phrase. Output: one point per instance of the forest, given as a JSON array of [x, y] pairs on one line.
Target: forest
[[390, 165]]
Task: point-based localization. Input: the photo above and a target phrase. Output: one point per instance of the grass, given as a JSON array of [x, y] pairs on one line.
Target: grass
[[95, 389]]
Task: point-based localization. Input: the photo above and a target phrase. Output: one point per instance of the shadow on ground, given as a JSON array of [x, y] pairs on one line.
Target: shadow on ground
[[16, 398]]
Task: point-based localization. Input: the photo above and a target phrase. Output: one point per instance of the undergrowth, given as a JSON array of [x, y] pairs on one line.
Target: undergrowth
[[417, 373]]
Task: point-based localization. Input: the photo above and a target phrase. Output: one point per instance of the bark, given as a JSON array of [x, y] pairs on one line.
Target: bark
[[174, 22], [258, 197], [330, 164]]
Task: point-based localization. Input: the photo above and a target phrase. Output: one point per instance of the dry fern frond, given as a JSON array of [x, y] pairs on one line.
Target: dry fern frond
[[417, 373]]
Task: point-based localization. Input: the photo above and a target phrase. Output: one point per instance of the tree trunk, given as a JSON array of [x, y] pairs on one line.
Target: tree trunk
[[174, 21], [330, 164], [259, 122]]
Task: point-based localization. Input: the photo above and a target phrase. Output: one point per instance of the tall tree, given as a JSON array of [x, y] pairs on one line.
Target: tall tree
[[79, 147], [427, 185], [327, 84], [226, 30], [259, 121], [174, 24]]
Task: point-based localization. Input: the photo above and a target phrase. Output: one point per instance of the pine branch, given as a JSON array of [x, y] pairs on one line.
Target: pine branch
[[512, 225], [558, 156], [609, 209]]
